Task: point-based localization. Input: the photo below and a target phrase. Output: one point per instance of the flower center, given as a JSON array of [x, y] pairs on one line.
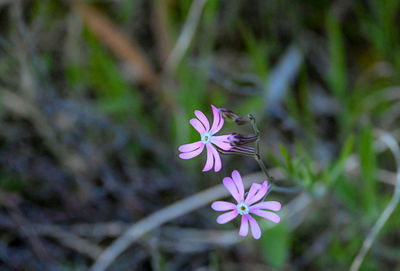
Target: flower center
[[205, 138], [242, 208]]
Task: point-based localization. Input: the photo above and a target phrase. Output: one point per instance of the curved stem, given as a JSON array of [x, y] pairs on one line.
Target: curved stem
[[257, 157], [262, 166]]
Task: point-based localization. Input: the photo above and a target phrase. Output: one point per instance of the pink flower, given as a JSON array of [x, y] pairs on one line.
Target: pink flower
[[208, 139], [245, 207]]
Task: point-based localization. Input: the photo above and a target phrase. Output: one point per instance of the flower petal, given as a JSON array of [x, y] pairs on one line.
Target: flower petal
[[189, 155], [218, 120], [256, 192], [222, 137], [244, 227], [231, 187], [223, 206], [255, 228], [203, 119], [237, 179], [190, 147], [224, 218], [270, 205], [217, 160], [221, 142], [198, 126], [210, 158], [266, 214], [253, 190]]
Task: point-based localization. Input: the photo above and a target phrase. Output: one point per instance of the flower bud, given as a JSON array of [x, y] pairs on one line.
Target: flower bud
[[238, 139], [240, 150], [228, 114]]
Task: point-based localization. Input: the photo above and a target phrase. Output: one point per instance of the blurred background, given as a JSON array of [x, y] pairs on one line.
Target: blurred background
[[96, 96]]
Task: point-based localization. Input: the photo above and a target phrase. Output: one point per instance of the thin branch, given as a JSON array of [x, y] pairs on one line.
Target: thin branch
[[387, 139], [160, 217]]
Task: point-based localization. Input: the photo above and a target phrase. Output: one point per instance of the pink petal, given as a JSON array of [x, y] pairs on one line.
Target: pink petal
[[218, 120], [221, 143], [258, 193], [223, 206], [224, 138], [210, 158], [255, 229], [265, 214], [189, 155], [237, 179], [253, 190], [224, 218], [270, 205], [231, 187], [217, 160], [198, 126], [203, 119], [244, 227], [190, 147]]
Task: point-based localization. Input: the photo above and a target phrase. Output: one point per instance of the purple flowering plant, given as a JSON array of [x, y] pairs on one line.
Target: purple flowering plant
[[247, 204]]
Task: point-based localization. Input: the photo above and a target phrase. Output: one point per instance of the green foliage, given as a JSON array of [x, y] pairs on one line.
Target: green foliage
[[348, 193], [126, 9], [299, 168], [275, 243], [191, 96], [333, 173], [257, 51], [208, 27], [368, 169], [337, 70]]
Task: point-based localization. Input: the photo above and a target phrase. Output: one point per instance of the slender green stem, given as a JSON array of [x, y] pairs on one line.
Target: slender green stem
[[257, 156], [262, 166]]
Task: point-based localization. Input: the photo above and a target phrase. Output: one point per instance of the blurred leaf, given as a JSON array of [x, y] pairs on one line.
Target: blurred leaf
[[251, 105], [307, 161], [209, 31], [336, 170], [348, 192], [337, 69], [275, 243], [307, 117], [368, 169], [257, 50], [191, 96], [126, 9], [109, 34], [286, 156]]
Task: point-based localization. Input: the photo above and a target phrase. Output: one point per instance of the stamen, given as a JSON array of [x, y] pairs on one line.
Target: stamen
[[242, 208]]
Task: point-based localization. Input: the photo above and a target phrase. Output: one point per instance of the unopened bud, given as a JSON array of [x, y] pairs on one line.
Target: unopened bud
[[238, 139], [229, 114], [239, 150]]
